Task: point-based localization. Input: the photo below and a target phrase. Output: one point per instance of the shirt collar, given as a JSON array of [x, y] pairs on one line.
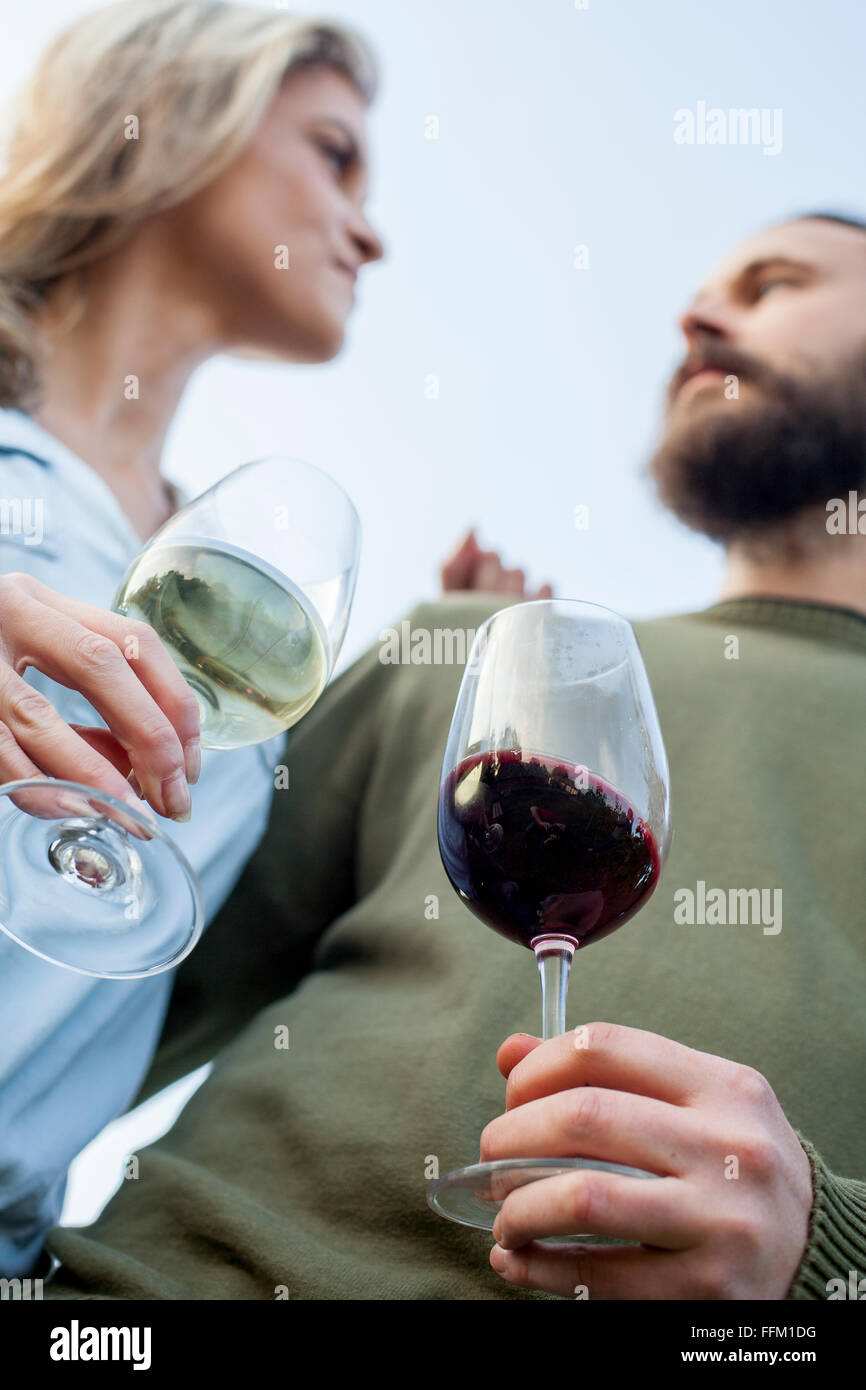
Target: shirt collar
[[20, 433]]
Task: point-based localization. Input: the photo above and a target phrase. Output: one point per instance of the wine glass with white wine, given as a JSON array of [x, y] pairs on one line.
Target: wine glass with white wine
[[249, 587]]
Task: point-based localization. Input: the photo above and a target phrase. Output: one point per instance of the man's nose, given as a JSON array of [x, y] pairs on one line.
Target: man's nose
[[707, 317]]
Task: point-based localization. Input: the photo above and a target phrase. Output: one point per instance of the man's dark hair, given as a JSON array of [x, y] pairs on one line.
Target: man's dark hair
[[841, 217]]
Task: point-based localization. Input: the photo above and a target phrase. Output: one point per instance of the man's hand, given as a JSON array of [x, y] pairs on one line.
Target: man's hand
[[728, 1216], [470, 567]]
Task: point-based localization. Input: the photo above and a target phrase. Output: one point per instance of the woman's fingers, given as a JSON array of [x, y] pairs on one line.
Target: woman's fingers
[[50, 802], [148, 659], [103, 742], [36, 741], [15, 766], [114, 679]]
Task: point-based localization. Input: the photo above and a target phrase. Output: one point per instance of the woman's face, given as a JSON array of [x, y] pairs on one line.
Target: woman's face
[[275, 244]]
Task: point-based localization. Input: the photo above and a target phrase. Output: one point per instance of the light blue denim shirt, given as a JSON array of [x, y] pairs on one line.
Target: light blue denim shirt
[[74, 1050]]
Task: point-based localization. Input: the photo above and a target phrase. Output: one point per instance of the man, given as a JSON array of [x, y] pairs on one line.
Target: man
[[353, 1002]]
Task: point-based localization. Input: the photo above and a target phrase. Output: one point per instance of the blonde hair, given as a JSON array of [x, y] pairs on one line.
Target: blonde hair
[[189, 81]]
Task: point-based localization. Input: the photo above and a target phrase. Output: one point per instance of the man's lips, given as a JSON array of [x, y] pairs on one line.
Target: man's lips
[[349, 270], [699, 378]]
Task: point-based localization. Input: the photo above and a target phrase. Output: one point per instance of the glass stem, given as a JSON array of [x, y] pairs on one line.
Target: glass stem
[[553, 954]]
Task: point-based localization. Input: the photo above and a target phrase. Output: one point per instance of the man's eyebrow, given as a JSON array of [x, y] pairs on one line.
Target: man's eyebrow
[[771, 262], [757, 267]]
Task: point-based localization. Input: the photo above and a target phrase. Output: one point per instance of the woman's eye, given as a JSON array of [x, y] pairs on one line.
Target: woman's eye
[[339, 158]]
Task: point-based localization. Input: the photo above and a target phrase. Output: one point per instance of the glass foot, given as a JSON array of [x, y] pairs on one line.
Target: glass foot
[[472, 1196], [91, 883], [93, 856]]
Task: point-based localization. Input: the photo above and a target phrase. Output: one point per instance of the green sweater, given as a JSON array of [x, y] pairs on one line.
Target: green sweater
[[303, 1168]]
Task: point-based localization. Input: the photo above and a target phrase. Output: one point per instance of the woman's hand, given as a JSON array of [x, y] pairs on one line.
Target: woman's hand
[[470, 567], [727, 1219], [122, 668]]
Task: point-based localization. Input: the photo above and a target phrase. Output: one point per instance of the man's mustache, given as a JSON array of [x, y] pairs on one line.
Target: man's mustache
[[730, 360]]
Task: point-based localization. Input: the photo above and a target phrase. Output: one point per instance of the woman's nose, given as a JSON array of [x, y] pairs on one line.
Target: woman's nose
[[369, 244]]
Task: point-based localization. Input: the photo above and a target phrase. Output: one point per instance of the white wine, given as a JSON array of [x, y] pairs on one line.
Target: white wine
[[249, 643]]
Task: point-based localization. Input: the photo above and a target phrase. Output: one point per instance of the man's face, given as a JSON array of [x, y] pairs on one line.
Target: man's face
[[767, 413]]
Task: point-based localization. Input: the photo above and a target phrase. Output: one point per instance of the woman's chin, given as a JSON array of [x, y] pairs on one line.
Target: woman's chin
[[321, 345], [327, 349]]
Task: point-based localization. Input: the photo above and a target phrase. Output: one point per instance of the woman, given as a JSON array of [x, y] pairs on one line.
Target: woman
[[166, 156]]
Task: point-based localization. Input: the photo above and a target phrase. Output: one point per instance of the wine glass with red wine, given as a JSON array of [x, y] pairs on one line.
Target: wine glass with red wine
[[554, 818]]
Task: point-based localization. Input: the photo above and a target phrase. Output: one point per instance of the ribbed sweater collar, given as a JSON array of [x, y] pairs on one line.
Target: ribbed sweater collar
[[826, 621]]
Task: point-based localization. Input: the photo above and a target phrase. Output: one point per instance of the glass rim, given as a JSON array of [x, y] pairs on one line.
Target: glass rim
[[297, 463], [484, 630], [552, 603]]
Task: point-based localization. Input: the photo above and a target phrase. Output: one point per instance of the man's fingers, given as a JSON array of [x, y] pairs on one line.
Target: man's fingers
[[513, 582], [587, 1203], [618, 1058], [457, 570], [615, 1126], [491, 575], [513, 1050], [488, 572], [593, 1271], [470, 567]]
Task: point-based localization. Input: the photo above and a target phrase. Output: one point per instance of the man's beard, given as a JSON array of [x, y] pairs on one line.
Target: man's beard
[[735, 469]]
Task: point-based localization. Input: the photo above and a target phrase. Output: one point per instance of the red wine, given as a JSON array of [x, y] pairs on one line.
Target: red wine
[[537, 847]]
